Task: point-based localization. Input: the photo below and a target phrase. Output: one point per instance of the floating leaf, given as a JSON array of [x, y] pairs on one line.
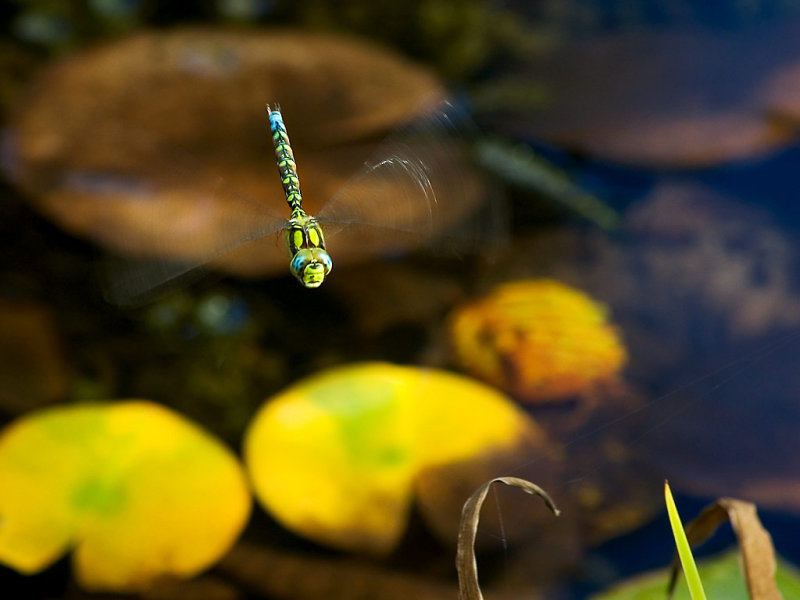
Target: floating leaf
[[671, 97], [133, 489], [721, 577], [538, 339], [335, 457]]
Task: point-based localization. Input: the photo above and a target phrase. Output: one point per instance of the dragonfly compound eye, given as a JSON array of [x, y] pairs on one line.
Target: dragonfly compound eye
[[310, 266]]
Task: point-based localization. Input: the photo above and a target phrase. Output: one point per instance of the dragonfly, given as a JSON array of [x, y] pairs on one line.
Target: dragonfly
[[309, 263], [419, 189]]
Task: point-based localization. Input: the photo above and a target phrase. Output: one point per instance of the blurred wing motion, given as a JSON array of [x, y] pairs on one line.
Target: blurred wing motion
[[421, 189], [207, 229]]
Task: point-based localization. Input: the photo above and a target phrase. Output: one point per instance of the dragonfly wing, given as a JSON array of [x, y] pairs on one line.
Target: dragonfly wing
[[205, 229], [421, 189]]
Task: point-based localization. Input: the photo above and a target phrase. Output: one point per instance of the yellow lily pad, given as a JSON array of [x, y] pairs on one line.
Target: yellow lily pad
[[135, 490], [335, 457]]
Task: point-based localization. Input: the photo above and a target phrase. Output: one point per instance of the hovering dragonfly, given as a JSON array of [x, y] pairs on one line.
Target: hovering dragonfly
[[419, 190], [310, 263]]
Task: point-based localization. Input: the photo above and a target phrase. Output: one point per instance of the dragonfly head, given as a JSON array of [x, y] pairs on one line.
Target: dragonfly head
[[310, 266]]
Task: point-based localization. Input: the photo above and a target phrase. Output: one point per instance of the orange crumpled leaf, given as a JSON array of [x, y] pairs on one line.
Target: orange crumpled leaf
[[335, 457], [537, 339], [135, 490]]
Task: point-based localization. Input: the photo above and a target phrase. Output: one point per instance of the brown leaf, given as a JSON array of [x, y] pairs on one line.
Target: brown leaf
[[441, 488], [467, 566], [204, 587], [282, 575], [755, 544], [672, 97]]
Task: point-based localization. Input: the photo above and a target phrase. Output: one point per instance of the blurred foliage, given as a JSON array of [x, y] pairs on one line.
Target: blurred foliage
[[538, 339], [611, 14], [335, 457], [464, 37], [460, 38], [458, 35], [137, 491], [521, 166], [210, 343], [721, 576]]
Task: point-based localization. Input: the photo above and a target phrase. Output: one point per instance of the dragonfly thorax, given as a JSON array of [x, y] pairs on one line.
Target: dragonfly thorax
[[310, 262]]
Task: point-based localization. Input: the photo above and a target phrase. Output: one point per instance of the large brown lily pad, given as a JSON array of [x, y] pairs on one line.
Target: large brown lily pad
[[671, 98], [158, 144]]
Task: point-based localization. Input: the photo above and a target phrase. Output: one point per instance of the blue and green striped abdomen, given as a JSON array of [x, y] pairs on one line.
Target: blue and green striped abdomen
[[285, 158]]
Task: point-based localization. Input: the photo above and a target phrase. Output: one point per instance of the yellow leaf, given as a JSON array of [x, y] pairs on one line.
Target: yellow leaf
[[538, 340], [458, 418], [335, 456], [135, 490]]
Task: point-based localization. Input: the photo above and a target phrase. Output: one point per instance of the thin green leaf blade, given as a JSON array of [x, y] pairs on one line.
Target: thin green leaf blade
[[684, 551]]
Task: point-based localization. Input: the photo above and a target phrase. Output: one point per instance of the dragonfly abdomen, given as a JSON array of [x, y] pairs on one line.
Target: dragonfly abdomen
[[285, 158]]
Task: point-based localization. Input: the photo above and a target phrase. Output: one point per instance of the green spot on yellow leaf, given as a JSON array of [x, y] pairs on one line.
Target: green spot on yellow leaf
[[96, 495], [335, 456]]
